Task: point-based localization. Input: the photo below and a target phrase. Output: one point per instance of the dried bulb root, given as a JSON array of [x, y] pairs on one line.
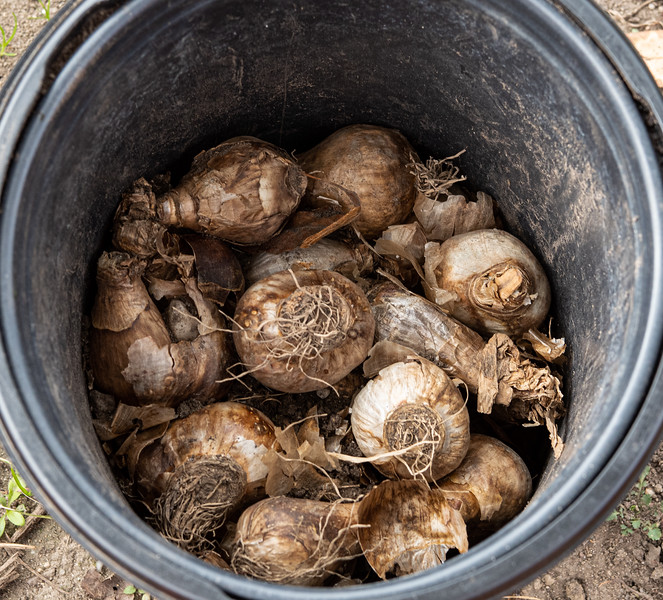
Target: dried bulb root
[[436, 176], [241, 191], [492, 484], [372, 162], [412, 407], [302, 331], [197, 499], [406, 527], [295, 541]]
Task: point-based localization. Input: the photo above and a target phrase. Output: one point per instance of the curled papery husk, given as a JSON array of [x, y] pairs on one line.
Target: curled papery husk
[[295, 541], [492, 484], [204, 466], [492, 281], [548, 348], [302, 331], [372, 162], [242, 191], [507, 383], [301, 462], [403, 247], [413, 407], [516, 390], [131, 353], [442, 207], [210, 261], [327, 255], [406, 527], [453, 214]]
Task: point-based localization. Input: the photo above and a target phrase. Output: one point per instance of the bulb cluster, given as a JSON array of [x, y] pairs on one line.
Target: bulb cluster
[[300, 368]]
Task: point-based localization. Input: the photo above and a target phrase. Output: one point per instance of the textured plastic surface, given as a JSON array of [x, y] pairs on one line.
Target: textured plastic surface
[[533, 91]]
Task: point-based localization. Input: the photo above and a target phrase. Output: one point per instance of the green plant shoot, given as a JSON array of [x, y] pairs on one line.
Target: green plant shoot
[[10, 511], [632, 514], [45, 10], [8, 40], [131, 590]]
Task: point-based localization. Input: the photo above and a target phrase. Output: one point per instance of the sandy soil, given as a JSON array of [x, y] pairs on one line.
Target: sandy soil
[[620, 561]]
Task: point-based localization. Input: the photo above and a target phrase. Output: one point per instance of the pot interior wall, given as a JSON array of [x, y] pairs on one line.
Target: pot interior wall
[[144, 97]]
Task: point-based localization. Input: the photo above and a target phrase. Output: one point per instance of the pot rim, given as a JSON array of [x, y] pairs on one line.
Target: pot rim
[[516, 557]]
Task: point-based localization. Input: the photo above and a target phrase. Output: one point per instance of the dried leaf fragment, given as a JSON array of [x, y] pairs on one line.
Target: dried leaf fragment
[[452, 215], [548, 348], [532, 394], [301, 461]]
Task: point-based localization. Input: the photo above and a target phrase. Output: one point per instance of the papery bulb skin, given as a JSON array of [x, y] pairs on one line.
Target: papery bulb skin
[[132, 353], [502, 377], [415, 322], [123, 313], [204, 466], [373, 162], [295, 541], [299, 331], [406, 527], [492, 484], [493, 281], [411, 405], [241, 191]]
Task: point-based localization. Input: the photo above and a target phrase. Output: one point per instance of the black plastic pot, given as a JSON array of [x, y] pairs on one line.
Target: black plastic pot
[[561, 123]]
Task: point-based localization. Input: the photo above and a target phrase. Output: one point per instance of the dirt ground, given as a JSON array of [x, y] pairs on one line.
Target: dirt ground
[[621, 561]]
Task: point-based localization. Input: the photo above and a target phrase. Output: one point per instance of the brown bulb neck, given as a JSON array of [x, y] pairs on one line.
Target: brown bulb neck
[[177, 208], [502, 288]]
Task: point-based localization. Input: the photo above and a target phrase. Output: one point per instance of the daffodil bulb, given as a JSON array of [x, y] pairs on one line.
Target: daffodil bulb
[[412, 420]]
